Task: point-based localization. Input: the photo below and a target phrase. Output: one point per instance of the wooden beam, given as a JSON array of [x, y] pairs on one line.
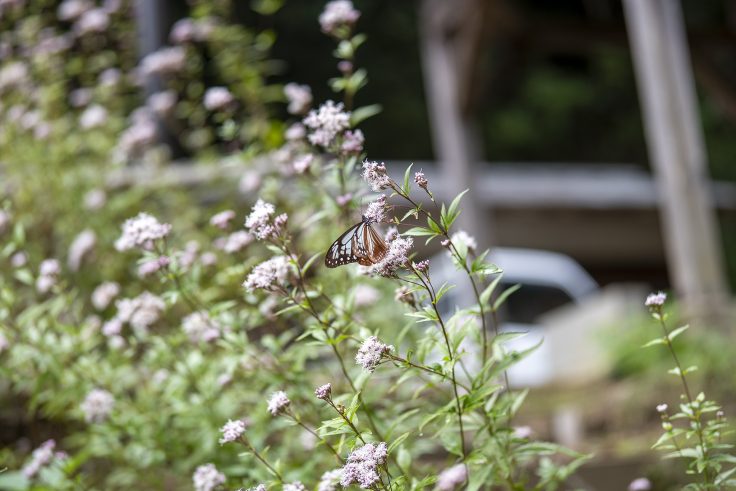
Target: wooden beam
[[446, 57], [677, 152]]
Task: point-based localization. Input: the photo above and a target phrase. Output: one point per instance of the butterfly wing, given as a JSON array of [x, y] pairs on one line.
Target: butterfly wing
[[373, 246], [346, 249]]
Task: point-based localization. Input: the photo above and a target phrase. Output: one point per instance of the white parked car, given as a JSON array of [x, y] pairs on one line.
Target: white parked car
[[559, 304]]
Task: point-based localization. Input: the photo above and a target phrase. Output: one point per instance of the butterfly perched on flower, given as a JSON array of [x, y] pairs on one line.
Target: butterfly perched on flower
[[360, 243]]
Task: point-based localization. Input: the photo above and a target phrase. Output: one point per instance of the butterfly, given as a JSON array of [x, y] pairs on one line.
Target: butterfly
[[360, 243]]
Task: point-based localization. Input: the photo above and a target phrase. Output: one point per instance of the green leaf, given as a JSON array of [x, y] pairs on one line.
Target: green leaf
[[362, 113], [419, 231], [406, 187], [403, 458], [504, 295], [678, 331], [453, 211], [655, 342], [310, 261], [398, 441], [14, 481], [443, 289], [485, 296]]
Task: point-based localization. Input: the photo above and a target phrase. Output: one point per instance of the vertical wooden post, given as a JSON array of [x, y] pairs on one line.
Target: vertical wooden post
[[676, 149], [151, 22], [446, 57]]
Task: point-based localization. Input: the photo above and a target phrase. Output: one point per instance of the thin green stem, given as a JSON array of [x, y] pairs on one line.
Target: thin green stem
[[453, 379], [294, 417], [346, 419], [424, 368], [696, 417], [461, 261], [313, 312], [257, 455]]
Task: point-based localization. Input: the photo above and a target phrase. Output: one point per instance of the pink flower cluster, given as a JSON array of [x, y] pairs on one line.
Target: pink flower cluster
[[375, 175], [260, 224], [327, 123], [336, 14], [396, 257], [371, 353], [278, 403], [232, 431], [268, 275], [362, 465], [376, 210], [141, 231]]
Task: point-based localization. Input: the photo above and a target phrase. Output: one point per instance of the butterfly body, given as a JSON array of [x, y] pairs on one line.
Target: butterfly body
[[359, 244]]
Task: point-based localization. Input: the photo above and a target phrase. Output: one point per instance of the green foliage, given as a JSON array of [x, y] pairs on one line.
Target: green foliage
[[145, 385], [697, 429]]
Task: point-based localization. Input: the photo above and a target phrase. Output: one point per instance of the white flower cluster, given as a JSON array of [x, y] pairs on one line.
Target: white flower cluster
[[235, 242], [104, 294], [164, 61], [13, 74], [200, 327], [161, 103], [222, 219], [376, 210], [40, 458], [188, 30], [231, 431], [299, 97], [73, 9], [352, 142], [48, 273], [326, 123], [330, 480], [361, 466], [371, 352], [268, 275], [207, 478], [93, 117], [375, 175], [365, 295], [655, 299], [463, 239], [217, 98], [323, 392], [97, 406], [640, 484], [80, 247], [141, 231], [93, 20], [140, 312], [278, 403], [294, 486], [336, 14], [260, 224], [396, 257], [452, 477], [154, 265], [302, 163]]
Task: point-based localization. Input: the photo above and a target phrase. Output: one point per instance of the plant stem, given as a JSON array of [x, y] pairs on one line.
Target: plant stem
[[298, 421], [695, 418], [250, 447], [462, 261], [325, 326], [433, 300], [424, 368], [347, 420]]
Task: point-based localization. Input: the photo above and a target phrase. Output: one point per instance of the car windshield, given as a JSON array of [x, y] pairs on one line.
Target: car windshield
[[526, 304]]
